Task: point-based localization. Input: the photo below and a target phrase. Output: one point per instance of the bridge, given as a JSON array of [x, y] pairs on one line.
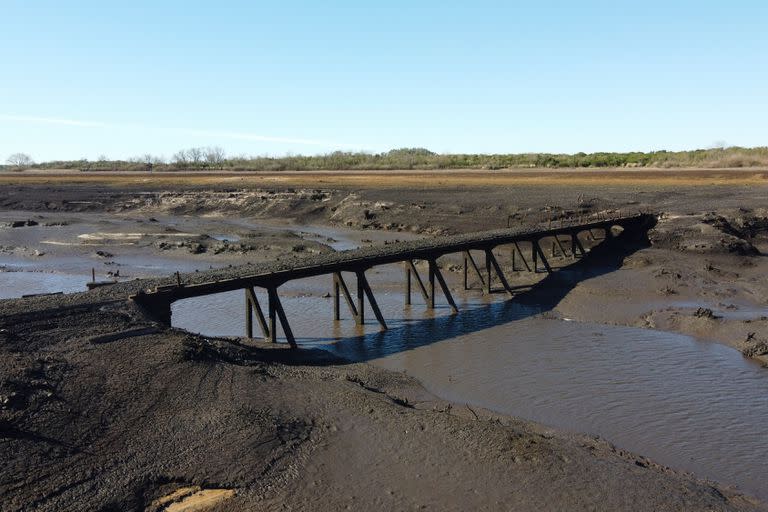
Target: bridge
[[566, 237]]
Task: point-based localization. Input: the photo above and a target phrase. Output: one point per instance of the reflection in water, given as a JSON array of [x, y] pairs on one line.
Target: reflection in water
[[687, 404]]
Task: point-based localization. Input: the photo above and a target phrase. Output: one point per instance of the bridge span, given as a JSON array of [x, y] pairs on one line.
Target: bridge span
[[527, 251]]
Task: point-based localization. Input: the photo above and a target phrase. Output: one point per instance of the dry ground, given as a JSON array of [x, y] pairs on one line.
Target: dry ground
[[395, 179]]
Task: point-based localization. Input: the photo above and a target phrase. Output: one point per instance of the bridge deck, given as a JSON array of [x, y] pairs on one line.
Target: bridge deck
[[273, 275]]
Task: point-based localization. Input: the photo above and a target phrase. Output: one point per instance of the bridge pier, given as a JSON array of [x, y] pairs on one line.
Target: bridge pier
[[410, 270], [252, 306], [536, 253], [560, 246], [469, 260], [268, 325], [576, 245], [492, 262], [363, 290], [433, 275], [518, 251], [340, 286]]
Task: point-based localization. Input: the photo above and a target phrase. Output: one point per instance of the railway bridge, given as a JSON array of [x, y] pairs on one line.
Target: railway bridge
[[567, 237]]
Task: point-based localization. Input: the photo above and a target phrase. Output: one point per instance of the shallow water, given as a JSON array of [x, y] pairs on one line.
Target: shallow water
[[16, 284], [692, 405], [69, 272]]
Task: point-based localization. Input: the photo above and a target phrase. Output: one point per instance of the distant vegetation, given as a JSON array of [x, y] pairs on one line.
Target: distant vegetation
[[214, 158]]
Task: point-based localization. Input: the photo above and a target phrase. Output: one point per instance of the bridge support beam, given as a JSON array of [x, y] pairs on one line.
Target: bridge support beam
[[276, 312], [434, 273], [536, 252], [340, 286], [517, 251], [560, 246], [576, 245], [469, 260], [491, 262], [252, 306], [412, 274], [363, 291]]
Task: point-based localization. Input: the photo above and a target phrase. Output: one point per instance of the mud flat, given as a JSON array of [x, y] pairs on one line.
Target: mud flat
[[156, 417]]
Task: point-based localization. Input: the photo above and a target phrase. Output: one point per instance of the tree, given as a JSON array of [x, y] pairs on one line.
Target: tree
[[214, 155], [20, 160], [195, 155], [181, 158]]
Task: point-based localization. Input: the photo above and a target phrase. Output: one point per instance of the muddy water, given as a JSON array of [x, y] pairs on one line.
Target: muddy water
[[688, 404], [16, 284], [69, 269]]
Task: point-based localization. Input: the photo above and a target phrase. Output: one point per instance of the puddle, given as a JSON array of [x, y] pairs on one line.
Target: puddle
[[225, 238], [16, 284]]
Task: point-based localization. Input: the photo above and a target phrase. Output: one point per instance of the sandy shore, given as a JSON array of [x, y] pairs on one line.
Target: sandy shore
[[127, 424]]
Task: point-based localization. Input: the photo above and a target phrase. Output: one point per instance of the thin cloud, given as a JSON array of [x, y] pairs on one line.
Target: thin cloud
[[53, 120], [199, 133]]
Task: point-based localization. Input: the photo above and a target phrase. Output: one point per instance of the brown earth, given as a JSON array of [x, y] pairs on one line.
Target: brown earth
[[125, 424]]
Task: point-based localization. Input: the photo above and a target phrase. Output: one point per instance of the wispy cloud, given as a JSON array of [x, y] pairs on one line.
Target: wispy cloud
[[53, 120], [197, 133]]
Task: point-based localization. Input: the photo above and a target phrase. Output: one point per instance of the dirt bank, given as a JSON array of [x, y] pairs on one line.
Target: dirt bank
[[95, 423]]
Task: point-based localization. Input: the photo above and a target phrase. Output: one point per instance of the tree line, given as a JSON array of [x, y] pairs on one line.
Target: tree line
[[214, 158]]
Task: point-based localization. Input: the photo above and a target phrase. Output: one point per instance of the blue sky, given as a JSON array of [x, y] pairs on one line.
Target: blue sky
[[83, 79]]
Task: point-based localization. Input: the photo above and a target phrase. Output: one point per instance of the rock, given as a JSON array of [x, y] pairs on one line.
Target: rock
[[196, 248], [705, 313], [22, 223]]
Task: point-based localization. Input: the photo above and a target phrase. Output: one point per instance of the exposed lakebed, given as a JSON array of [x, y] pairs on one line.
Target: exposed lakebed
[[689, 404]]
